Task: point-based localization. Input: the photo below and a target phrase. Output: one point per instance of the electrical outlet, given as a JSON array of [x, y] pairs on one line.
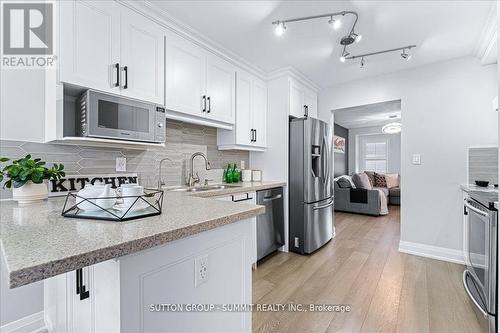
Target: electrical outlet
[[200, 271], [416, 159], [121, 164]]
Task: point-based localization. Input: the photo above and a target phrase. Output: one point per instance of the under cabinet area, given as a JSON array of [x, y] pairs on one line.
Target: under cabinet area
[[250, 130], [199, 86], [111, 48], [126, 294]]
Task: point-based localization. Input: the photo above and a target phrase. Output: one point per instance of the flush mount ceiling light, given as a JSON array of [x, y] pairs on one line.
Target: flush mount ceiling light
[[350, 38], [405, 55], [392, 128]]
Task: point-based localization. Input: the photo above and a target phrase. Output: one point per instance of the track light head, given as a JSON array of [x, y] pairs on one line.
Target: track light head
[[344, 55], [405, 56], [335, 24], [279, 28], [357, 38], [362, 63]]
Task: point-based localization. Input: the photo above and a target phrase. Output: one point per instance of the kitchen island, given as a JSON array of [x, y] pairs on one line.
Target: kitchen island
[[115, 276]]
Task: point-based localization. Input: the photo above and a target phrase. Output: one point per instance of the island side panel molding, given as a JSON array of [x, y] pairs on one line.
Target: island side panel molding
[[166, 275]]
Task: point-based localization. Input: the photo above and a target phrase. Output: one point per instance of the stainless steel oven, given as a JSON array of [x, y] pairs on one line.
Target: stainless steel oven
[[109, 116], [480, 275]]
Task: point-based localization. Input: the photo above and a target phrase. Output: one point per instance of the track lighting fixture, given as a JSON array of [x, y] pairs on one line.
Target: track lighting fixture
[[357, 38], [405, 56], [335, 24], [362, 63], [279, 28]]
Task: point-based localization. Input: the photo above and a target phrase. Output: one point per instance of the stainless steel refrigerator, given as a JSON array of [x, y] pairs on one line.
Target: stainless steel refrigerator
[[311, 217]]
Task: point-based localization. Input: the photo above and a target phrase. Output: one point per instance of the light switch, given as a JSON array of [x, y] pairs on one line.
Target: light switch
[[121, 164], [416, 159]]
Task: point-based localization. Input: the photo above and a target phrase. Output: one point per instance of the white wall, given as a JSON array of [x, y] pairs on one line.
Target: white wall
[[394, 148], [446, 107]]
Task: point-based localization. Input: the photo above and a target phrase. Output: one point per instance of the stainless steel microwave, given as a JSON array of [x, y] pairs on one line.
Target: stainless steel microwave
[[103, 115]]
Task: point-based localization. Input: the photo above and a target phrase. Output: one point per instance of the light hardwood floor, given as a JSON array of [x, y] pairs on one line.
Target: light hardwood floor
[[388, 291]]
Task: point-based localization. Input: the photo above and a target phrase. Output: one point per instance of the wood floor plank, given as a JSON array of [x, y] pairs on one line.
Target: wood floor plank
[[388, 291]]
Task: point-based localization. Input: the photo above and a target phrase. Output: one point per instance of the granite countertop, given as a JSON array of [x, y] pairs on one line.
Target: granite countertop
[[38, 243]]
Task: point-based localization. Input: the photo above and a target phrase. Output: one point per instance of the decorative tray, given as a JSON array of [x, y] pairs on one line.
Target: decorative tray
[[115, 208]]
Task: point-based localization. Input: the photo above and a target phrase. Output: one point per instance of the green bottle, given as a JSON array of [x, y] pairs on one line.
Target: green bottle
[[229, 174], [236, 174]]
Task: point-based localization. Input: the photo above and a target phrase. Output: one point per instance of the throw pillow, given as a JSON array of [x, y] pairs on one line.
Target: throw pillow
[[361, 181], [371, 177], [379, 180], [344, 183], [392, 180]]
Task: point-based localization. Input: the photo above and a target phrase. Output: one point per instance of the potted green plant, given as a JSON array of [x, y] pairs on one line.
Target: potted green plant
[[28, 178]]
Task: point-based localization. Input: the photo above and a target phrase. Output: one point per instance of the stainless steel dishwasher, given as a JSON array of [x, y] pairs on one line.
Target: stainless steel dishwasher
[[270, 226]]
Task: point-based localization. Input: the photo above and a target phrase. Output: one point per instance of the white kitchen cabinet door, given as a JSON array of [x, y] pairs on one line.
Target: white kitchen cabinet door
[[220, 89], [184, 76], [296, 99], [142, 58], [259, 113], [90, 44], [243, 123], [311, 101]]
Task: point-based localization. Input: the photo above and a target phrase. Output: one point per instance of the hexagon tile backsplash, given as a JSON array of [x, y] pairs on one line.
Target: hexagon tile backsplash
[[182, 141]]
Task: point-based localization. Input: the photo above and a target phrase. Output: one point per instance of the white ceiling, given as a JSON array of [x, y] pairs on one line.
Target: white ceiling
[[440, 29], [376, 114]]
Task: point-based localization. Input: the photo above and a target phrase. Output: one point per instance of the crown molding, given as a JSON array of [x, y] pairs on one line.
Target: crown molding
[[165, 19], [486, 47], [296, 74]]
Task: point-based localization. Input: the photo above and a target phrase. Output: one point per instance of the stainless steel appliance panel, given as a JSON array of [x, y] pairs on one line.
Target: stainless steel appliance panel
[[270, 225], [317, 161], [318, 224]]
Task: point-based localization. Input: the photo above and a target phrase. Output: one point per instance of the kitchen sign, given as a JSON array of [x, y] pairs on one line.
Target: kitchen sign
[[77, 182]]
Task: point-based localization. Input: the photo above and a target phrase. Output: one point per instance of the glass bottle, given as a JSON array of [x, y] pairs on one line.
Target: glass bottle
[[236, 174], [229, 174]]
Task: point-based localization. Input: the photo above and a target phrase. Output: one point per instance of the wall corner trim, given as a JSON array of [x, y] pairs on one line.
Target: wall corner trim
[[433, 252], [33, 323]]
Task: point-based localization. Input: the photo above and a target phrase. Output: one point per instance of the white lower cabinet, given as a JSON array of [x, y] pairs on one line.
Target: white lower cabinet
[[250, 130], [126, 294]]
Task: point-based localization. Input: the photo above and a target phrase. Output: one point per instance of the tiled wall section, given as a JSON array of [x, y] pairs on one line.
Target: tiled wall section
[[483, 164], [182, 141]]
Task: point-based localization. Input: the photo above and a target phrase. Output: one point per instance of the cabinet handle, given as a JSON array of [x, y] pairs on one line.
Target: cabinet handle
[[306, 111], [204, 103], [117, 66], [255, 138], [209, 108], [251, 135], [125, 69], [80, 287]]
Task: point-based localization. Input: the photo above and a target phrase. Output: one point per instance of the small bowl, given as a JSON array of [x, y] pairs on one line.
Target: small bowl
[[482, 183]]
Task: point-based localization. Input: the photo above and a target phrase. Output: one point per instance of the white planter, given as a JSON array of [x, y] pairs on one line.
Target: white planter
[[30, 192]]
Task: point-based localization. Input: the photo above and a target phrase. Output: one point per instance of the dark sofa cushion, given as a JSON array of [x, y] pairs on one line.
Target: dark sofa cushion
[[379, 180], [358, 195]]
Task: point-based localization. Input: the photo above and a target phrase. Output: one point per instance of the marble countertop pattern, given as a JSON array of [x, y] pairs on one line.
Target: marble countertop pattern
[[38, 243]]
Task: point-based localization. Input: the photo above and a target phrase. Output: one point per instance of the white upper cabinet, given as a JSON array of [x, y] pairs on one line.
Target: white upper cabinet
[[200, 87], [220, 89], [184, 76], [108, 47], [303, 101], [250, 130], [259, 113], [90, 44], [142, 58], [311, 103]]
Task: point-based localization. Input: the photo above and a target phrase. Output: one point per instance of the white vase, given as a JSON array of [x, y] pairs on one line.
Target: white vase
[[30, 192]]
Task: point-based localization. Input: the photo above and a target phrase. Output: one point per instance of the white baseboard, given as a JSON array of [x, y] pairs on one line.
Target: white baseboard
[[433, 252], [30, 324]]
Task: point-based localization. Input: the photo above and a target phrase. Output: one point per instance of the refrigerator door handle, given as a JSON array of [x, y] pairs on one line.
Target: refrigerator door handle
[[325, 160], [323, 206]]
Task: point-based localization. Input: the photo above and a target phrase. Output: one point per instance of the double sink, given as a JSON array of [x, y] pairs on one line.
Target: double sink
[[202, 188]]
